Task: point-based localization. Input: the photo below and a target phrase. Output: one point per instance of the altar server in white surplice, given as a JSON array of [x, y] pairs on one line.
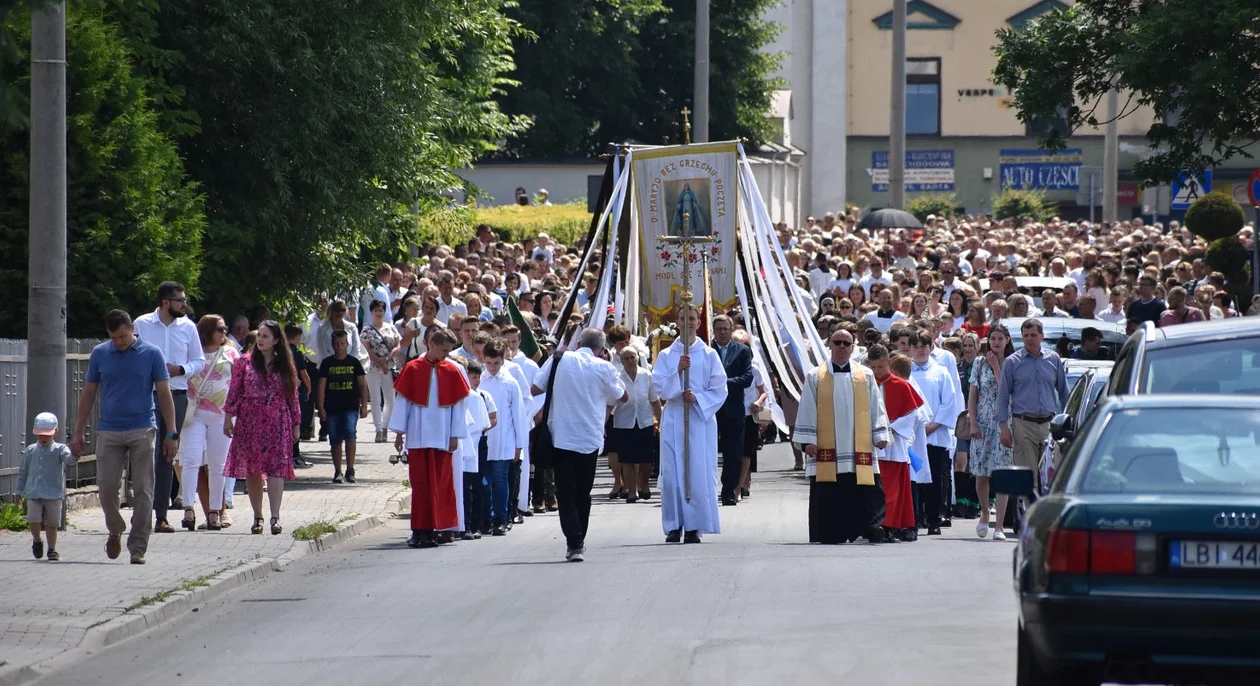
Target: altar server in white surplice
[[702, 400]]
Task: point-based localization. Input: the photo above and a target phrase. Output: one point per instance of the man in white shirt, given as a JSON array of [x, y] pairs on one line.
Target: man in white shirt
[[378, 291], [949, 281], [585, 386], [821, 276], [876, 275], [448, 304], [169, 329], [902, 258], [942, 397], [884, 317]]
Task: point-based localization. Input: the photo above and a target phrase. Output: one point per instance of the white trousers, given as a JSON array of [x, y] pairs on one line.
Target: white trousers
[[203, 442], [380, 396]]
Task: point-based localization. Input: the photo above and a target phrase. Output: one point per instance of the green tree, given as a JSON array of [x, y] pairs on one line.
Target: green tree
[[313, 125], [134, 220], [614, 70], [1022, 204], [1201, 64]]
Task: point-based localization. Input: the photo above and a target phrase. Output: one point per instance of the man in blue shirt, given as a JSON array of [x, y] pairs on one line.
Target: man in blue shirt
[[129, 373], [1031, 389]]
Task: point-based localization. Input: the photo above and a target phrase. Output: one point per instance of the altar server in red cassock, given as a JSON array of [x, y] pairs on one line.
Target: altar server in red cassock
[[905, 421], [429, 415]]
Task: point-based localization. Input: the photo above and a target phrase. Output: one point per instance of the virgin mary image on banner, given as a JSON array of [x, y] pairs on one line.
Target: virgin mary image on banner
[[692, 197]]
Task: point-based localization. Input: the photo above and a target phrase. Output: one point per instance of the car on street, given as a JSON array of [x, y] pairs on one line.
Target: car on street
[[1142, 564], [1071, 328], [1086, 381], [1221, 356]]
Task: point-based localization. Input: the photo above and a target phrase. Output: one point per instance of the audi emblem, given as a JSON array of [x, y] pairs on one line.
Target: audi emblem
[[1237, 520]]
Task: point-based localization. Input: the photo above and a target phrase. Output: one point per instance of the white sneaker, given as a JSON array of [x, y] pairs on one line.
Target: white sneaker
[[998, 535], [576, 555], [982, 530]]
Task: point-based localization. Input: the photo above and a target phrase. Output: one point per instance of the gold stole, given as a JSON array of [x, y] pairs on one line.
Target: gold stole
[[863, 459]]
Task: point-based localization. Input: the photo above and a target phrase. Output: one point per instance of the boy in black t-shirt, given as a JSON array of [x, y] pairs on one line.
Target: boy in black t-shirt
[[342, 387], [1147, 308]]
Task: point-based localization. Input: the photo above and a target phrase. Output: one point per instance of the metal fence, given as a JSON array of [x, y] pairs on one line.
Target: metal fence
[[13, 429]]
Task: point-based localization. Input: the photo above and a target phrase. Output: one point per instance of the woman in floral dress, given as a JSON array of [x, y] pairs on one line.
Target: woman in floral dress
[[987, 452], [263, 418], [202, 440]]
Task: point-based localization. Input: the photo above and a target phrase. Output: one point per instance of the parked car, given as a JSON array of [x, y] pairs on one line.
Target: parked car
[[1071, 328], [1087, 379], [1142, 564], [1220, 356]]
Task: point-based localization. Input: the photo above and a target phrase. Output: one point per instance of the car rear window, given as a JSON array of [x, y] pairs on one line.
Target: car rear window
[[1231, 367], [1182, 450]]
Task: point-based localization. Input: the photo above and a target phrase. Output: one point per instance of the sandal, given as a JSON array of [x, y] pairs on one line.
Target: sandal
[[276, 529], [257, 527], [225, 519], [212, 522], [190, 519]]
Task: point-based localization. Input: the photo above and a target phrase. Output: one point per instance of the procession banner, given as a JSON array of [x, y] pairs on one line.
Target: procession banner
[[702, 181]]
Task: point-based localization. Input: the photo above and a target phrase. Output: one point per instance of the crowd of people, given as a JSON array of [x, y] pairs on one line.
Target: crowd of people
[[473, 357]]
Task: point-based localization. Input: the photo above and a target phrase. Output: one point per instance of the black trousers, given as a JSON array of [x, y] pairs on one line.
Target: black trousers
[[575, 477], [308, 403], [479, 520], [731, 445], [936, 497], [514, 489], [542, 486], [165, 481]]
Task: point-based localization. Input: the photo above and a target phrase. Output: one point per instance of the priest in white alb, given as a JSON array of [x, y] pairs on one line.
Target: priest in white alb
[[429, 419], [840, 425], [686, 518]]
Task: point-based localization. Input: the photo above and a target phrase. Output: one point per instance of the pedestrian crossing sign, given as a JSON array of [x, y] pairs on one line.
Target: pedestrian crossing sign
[[1189, 188]]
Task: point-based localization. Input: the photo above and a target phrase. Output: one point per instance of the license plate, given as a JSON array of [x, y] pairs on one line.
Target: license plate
[[1214, 555]]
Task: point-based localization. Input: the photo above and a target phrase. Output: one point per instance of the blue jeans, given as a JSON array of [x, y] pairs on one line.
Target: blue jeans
[[497, 475]]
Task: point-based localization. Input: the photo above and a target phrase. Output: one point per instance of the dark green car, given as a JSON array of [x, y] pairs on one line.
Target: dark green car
[[1142, 565]]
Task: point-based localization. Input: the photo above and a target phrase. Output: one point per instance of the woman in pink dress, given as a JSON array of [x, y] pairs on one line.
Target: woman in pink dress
[[262, 418]]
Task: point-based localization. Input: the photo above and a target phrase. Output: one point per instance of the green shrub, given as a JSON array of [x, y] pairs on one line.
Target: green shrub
[[938, 204], [12, 517], [1215, 216], [565, 223], [1229, 256], [1022, 204]]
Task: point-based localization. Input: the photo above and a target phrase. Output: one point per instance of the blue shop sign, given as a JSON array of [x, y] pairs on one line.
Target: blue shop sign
[[1028, 169], [926, 170]]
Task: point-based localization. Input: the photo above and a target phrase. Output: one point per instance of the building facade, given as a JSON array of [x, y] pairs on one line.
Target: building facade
[[963, 135]]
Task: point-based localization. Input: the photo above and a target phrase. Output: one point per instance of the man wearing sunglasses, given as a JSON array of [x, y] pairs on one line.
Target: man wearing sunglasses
[[169, 328], [840, 424]]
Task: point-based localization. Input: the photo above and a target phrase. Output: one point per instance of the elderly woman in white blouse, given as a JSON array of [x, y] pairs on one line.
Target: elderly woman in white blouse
[[633, 427]]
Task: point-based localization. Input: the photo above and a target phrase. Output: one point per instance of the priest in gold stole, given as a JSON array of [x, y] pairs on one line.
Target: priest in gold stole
[[840, 423]]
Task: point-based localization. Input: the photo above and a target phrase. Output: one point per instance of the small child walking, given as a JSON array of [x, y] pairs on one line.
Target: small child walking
[[42, 481]]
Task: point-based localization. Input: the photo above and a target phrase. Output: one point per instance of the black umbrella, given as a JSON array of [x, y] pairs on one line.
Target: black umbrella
[[889, 218]]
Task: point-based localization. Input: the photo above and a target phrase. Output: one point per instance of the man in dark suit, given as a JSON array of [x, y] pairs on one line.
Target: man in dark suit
[[737, 359]]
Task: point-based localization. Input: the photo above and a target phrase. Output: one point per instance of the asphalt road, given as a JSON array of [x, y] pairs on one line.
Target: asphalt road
[[755, 605]]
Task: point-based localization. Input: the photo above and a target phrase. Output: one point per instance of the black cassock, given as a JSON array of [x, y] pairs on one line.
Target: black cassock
[[843, 512]]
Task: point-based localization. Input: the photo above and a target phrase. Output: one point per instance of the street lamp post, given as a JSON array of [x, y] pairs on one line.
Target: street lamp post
[[46, 265]]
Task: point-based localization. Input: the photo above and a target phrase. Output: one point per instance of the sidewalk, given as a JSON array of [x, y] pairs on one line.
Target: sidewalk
[[87, 601]]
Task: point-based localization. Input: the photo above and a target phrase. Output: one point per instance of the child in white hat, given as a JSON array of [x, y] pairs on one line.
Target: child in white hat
[[42, 481]]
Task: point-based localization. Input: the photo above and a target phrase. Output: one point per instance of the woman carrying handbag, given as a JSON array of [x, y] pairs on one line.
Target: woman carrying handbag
[[202, 441]]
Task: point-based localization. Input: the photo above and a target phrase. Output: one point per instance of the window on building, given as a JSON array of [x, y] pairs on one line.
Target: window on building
[[1041, 126], [923, 96]]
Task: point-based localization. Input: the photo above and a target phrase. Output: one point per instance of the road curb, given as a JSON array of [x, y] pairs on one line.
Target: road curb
[[133, 623]]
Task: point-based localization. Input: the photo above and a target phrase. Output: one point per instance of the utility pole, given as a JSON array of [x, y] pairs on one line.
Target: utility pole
[[46, 266], [897, 130], [1111, 153], [701, 132]]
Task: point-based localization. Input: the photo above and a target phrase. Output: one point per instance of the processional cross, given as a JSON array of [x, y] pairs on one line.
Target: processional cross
[[685, 241]]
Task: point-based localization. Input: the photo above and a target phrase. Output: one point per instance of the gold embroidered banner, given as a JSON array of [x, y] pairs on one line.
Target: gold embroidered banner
[[702, 181]]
